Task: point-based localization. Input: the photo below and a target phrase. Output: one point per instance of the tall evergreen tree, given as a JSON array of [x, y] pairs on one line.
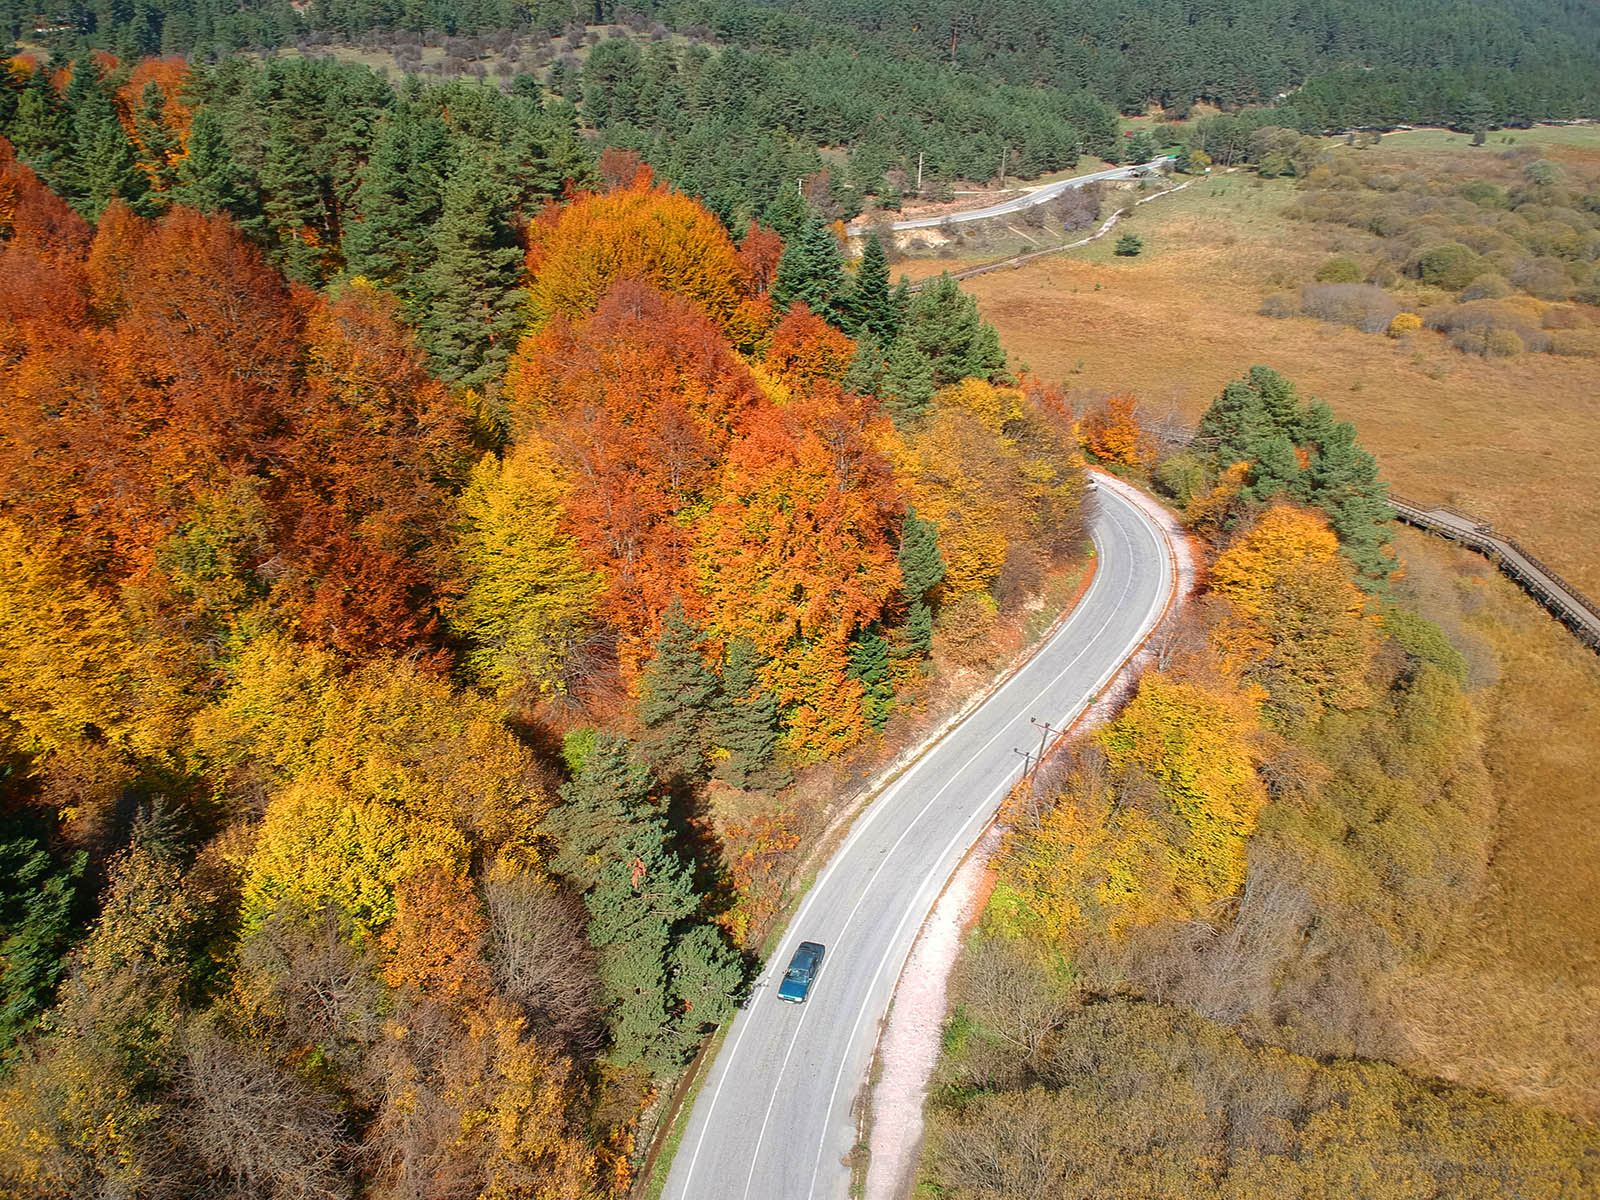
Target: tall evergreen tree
[[159, 147], [908, 382], [41, 128], [869, 665], [944, 325], [921, 563], [745, 722], [613, 839], [101, 163], [399, 199], [1236, 423], [210, 180], [867, 369], [871, 307], [1342, 480], [293, 200], [472, 292], [664, 979], [675, 697], [811, 271], [921, 570], [36, 902], [111, 171]]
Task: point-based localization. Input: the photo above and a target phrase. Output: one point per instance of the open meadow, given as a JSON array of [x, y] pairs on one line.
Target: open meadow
[[1512, 999], [1512, 439]]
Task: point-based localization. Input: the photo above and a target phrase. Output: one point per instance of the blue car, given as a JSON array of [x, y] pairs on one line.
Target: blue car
[[801, 974]]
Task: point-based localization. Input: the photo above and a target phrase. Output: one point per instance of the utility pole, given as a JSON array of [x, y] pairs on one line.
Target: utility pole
[[919, 172], [1003, 153]]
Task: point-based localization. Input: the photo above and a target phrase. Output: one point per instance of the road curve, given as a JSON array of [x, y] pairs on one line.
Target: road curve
[[774, 1121], [1038, 195]]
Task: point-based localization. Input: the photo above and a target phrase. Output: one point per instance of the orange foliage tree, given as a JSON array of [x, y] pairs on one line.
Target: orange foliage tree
[[795, 555], [1113, 433], [176, 416], [806, 350], [373, 450], [638, 405], [577, 251]]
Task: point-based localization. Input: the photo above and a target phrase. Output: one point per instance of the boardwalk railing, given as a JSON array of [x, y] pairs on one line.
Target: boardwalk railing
[[1569, 606]]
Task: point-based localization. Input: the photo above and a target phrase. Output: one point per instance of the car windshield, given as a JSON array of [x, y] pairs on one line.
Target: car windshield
[[799, 972]]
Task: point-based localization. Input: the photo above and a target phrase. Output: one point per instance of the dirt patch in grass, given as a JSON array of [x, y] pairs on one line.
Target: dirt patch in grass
[[1510, 439], [1513, 999]]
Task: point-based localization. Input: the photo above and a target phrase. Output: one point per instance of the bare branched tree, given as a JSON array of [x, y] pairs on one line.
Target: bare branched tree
[[541, 961], [262, 1132]]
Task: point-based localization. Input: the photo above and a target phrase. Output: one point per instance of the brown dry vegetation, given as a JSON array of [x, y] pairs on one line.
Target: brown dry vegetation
[[1513, 1000], [1513, 440]]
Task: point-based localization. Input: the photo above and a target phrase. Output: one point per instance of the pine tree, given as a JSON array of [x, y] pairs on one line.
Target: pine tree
[[706, 979], [921, 563], [811, 271], [1280, 399], [1277, 470], [921, 570], [210, 180], [42, 128], [293, 201], [867, 368], [943, 323], [907, 387], [1342, 480], [110, 171], [869, 665], [612, 840], [471, 312], [675, 697], [871, 308], [101, 164], [1236, 423], [399, 199], [745, 721], [160, 148]]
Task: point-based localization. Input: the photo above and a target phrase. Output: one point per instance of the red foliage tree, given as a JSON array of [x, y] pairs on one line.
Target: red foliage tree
[[639, 403], [805, 350]]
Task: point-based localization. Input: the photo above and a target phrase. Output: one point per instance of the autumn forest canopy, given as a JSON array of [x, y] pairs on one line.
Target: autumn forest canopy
[[416, 609], [459, 545]]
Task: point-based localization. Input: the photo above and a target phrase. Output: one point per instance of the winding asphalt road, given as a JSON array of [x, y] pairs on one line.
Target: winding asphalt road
[[774, 1120], [1039, 195]]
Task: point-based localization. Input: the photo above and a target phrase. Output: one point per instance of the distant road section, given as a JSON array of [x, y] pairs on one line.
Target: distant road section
[[1039, 195]]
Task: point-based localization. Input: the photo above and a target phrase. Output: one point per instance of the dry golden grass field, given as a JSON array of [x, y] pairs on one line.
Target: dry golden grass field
[[1513, 1000], [1515, 440]]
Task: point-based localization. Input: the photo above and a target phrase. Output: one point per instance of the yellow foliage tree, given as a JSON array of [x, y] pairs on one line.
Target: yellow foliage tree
[[988, 468], [1296, 618], [69, 661], [517, 1113], [389, 732], [1198, 745], [1205, 513], [528, 598], [321, 845]]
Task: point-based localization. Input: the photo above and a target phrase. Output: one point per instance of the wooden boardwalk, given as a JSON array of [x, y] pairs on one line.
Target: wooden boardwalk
[[1569, 606]]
